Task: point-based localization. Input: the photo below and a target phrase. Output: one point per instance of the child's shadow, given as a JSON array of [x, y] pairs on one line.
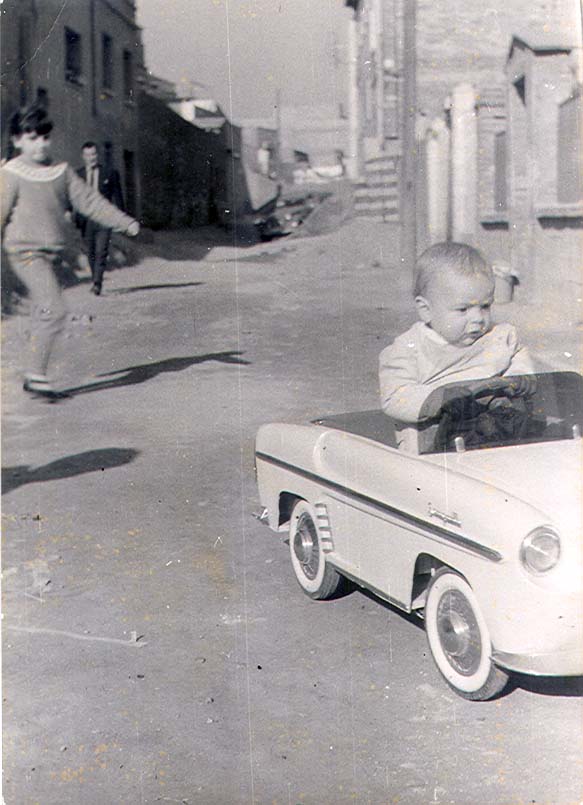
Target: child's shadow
[[133, 375], [67, 467]]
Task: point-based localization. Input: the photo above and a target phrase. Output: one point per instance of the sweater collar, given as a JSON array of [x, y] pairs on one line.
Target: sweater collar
[[35, 173]]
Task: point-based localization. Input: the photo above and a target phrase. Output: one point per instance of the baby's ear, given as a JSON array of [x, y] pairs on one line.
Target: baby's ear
[[423, 309]]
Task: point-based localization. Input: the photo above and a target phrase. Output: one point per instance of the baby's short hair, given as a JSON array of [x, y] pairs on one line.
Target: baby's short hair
[[454, 258], [30, 118]]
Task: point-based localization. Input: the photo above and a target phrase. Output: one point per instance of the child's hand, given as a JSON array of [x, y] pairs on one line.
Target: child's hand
[[133, 229], [521, 386], [458, 402], [451, 400]]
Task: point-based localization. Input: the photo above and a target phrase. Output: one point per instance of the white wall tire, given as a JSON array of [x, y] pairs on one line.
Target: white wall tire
[[459, 640], [317, 579]]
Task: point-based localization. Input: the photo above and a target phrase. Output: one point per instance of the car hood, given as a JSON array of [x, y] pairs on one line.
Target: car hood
[[546, 475]]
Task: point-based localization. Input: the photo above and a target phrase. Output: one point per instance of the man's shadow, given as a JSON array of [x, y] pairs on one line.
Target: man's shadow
[[155, 287], [132, 375], [78, 464]]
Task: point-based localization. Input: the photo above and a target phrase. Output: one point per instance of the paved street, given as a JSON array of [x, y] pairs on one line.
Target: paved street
[[156, 645]]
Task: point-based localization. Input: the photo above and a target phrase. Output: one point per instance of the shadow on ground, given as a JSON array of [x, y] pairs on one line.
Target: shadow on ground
[[68, 467], [156, 287], [132, 375], [169, 245], [190, 244], [550, 686]]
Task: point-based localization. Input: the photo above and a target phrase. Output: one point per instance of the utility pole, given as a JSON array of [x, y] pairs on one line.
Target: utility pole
[[408, 205], [278, 135]]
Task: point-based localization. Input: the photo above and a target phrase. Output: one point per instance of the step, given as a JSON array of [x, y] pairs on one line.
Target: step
[[380, 176], [377, 204], [372, 193], [383, 158], [379, 180], [380, 166], [385, 204], [389, 216], [376, 209]]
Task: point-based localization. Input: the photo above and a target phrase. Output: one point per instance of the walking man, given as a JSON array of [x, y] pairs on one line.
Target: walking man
[[106, 181]]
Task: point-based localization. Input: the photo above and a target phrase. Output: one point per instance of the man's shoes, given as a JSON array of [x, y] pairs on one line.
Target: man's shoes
[[96, 289], [40, 387]]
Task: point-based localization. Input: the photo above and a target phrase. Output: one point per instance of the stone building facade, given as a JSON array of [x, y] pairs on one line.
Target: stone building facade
[[456, 42], [84, 61], [500, 122], [512, 159]]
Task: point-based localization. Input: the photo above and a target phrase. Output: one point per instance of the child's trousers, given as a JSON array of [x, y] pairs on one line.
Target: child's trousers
[[36, 270]]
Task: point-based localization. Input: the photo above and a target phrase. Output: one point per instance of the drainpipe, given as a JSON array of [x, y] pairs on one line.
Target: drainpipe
[[353, 161], [93, 59], [408, 200]]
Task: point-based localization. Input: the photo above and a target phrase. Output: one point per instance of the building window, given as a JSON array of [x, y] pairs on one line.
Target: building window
[[520, 87], [128, 76], [500, 171], [569, 152], [72, 56], [106, 62], [129, 181]]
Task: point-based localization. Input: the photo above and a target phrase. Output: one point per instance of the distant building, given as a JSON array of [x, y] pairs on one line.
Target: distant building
[[195, 165], [202, 112], [159, 88], [84, 61], [317, 134], [260, 143], [194, 104]]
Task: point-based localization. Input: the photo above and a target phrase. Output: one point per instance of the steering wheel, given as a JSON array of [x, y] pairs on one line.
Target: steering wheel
[[480, 420]]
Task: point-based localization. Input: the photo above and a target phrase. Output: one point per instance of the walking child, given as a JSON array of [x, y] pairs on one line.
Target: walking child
[[36, 194]]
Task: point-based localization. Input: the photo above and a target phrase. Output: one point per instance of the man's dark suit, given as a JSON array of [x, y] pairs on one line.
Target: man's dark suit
[[96, 238]]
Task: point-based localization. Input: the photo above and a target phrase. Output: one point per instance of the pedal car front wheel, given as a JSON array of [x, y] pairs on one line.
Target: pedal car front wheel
[[315, 577], [459, 640]]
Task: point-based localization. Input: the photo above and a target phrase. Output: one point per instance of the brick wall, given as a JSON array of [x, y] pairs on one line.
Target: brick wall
[[461, 41], [34, 63]]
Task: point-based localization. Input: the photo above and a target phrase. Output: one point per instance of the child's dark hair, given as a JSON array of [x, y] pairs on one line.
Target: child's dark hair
[[457, 258], [31, 118]]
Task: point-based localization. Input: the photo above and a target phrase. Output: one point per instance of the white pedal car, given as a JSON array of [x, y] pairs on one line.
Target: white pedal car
[[480, 531]]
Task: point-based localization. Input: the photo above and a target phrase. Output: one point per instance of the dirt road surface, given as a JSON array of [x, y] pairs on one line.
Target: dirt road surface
[[156, 645]]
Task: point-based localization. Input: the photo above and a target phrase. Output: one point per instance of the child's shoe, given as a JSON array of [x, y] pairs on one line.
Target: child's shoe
[[39, 386]]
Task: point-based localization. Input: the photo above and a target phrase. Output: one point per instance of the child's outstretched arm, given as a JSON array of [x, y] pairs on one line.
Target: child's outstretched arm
[[94, 206], [401, 394]]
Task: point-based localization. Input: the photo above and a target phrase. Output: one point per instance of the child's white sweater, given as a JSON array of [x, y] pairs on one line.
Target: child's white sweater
[[35, 199]]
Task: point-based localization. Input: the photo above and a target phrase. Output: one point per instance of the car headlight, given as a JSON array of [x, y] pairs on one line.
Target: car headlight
[[540, 550]]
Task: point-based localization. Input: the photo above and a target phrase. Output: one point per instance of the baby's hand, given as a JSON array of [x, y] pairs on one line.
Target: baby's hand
[[520, 386], [457, 402], [133, 229], [452, 400]]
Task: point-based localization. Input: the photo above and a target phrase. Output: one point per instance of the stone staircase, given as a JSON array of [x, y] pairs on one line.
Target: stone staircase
[[376, 195]]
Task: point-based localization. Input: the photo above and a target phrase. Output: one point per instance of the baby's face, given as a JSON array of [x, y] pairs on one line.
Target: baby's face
[[458, 308]]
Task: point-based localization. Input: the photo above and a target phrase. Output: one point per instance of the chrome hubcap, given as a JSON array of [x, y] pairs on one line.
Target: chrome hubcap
[[459, 633], [306, 546]]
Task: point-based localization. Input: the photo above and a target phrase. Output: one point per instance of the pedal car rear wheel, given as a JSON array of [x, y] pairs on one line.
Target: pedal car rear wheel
[[316, 578], [459, 640]]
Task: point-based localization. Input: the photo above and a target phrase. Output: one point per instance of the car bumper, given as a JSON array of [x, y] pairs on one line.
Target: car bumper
[[565, 662]]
